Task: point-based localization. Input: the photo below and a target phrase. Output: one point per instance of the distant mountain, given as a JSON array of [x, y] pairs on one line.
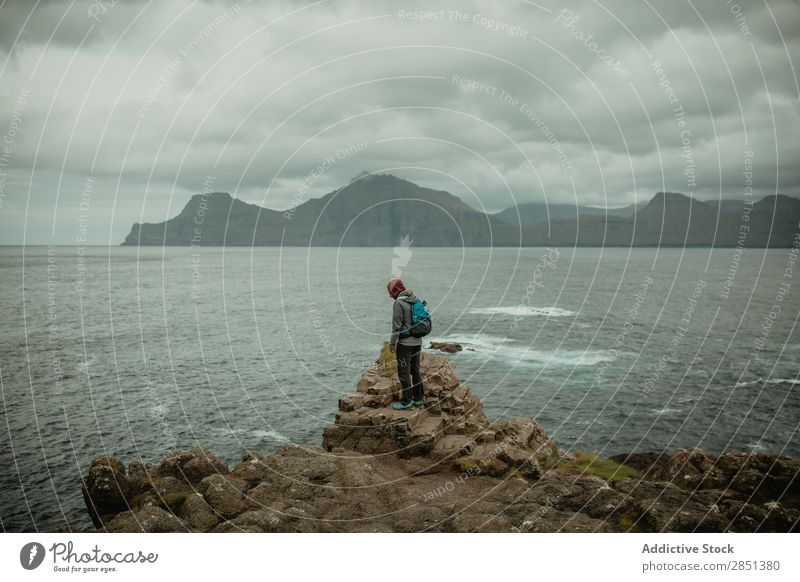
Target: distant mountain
[[381, 209], [372, 210], [726, 204], [676, 220], [541, 213]]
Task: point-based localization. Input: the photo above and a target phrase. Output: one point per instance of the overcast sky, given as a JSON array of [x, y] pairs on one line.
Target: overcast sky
[[134, 106]]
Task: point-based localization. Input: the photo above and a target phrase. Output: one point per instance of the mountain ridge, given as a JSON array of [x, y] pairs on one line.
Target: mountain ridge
[[381, 209]]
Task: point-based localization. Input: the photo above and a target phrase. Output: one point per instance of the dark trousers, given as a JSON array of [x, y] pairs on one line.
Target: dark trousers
[[408, 370]]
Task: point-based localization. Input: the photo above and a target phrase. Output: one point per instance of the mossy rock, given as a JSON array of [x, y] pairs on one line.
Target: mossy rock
[[387, 360], [493, 467], [593, 464], [546, 460], [465, 464], [173, 501], [135, 502], [106, 461], [629, 521], [526, 472]]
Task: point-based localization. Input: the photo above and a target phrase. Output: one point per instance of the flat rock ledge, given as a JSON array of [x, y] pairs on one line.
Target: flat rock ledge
[[442, 467]]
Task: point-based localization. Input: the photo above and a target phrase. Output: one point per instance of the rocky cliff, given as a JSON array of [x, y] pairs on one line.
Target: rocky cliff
[[441, 467]]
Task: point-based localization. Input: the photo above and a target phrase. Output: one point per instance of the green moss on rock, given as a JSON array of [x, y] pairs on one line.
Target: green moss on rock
[[593, 464]]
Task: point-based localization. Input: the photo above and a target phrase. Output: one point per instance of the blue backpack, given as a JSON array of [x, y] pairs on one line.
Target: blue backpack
[[420, 321]]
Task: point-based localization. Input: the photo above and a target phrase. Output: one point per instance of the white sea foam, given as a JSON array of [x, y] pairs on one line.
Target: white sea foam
[[523, 311], [664, 411], [789, 381], [269, 434], [248, 433], [567, 358], [748, 383], [502, 348]]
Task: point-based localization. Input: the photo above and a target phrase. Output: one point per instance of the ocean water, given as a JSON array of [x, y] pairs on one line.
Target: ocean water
[[133, 352]]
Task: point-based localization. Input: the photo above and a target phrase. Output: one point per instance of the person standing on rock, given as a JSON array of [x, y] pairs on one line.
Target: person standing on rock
[[406, 347]]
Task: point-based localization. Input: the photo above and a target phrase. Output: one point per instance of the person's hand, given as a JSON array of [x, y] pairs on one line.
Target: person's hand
[[392, 349]]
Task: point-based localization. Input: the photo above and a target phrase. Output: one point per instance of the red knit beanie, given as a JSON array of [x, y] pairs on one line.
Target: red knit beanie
[[395, 287]]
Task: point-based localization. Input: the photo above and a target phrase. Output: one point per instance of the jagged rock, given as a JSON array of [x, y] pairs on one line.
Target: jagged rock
[[106, 489], [166, 492], [141, 474], [587, 494], [450, 448], [547, 520], [192, 466], [663, 507], [163, 486], [224, 493], [759, 476], [526, 433], [447, 347], [352, 401], [262, 495], [150, 519], [311, 464], [197, 514], [231, 527], [644, 462], [257, 521], [384, 430], [768, 517], [521, 460], [292, 516], [499, 460], [365, 422], [253, 468]]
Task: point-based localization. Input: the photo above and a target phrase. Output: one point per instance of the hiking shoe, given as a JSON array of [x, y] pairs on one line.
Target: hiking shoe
[[416, 403], [401, 405]]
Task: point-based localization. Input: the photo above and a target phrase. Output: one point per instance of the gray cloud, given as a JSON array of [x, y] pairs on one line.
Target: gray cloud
[[148, 99]]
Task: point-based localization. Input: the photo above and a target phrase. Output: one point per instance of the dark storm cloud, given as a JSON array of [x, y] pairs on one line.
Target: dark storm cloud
[[59, 22], [496, 104]]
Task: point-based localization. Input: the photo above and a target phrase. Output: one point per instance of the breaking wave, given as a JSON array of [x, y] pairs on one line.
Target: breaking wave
[[502, 348], [249, 434], [789, 381], [664, 411], [523, 311]]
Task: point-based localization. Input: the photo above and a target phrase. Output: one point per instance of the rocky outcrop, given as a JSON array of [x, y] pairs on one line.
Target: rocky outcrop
[[106, 488], [762, 477], [450, 430], [447, 347], [441, 467]]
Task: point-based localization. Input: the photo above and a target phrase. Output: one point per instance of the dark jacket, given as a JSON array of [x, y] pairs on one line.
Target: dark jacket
[[401, 319]]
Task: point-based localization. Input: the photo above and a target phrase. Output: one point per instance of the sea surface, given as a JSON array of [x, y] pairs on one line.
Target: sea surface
[[134, 352]]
